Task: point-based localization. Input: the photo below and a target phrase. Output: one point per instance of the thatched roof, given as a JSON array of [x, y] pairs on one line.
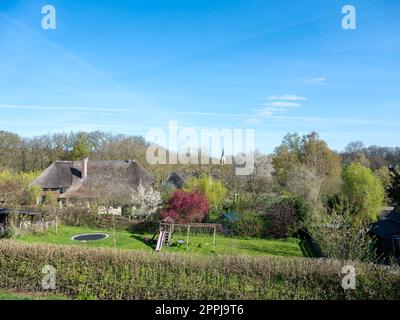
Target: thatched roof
[[58, 175], [104, 178]]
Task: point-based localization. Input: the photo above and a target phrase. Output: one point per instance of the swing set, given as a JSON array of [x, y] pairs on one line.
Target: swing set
[[168, 227]]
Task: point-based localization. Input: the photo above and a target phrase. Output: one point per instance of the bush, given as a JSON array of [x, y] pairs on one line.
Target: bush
[[338, 237], [50, 199], [121, 274], [214, 191], [243, 203], [83, 217], [248, 224], [186, 207], [283, 218], [32, 195], [10, 232], [14, 187]]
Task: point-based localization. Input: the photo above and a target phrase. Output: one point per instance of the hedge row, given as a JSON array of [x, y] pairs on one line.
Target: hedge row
[[122, 274]]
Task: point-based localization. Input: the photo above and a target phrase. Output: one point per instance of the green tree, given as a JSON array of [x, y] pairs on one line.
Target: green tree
[[316, 154], [364, 192], [212, 189], [286, 156], [82, 146], [309, 152]]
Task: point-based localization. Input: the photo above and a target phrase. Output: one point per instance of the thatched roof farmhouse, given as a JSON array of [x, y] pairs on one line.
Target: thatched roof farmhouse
[[89, 180]]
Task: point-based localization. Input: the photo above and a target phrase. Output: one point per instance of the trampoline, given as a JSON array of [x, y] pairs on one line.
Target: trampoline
[[90, 237]]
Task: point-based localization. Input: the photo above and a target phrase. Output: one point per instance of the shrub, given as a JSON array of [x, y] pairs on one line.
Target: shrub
[[337, 237], [243, 203], [84, 217], [14, 187], [50, 199], [11, 188], [212, 189], [32, 195], [186, 207], [248, 224], [283, 218], [10, 231], [228, 205], [121, 274], [166, 191]]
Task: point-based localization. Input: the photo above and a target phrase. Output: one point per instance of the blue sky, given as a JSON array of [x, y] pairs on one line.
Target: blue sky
[[272, 66]]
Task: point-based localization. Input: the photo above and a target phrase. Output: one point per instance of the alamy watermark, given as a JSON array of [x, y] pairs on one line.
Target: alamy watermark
[[49, 277], [349, 21], [204, 146], [349, 280], [49, 20]]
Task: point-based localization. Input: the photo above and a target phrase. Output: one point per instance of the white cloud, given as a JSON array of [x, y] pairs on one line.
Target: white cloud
[[282, 104], [265, 112], [269, 111], [288, 97], [317, 80], [278, 104]]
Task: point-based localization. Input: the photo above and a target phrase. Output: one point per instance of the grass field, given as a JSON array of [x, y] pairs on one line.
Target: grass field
[[201, 244]]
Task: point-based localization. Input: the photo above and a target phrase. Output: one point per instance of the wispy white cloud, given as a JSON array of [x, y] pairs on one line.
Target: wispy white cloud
[[270, 111], [69, 108], [288, 97], [316, 80], [282, 104], [275, 104], [261, 114]]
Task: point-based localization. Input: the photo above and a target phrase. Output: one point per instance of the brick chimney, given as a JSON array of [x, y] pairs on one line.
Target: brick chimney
[[84, 167]]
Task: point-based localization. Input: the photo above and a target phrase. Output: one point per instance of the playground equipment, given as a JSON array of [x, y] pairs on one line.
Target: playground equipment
[[160, 241], [90, 237], [168, 226], [166, 231]]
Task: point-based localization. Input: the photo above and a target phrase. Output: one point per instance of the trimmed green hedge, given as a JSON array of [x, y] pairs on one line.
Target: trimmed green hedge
[[122, 274]]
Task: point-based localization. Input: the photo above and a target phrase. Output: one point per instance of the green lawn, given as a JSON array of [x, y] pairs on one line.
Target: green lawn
[[198, 244], [11, 295]]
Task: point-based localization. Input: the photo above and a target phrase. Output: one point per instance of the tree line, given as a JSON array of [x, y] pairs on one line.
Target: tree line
[[296, 161]]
